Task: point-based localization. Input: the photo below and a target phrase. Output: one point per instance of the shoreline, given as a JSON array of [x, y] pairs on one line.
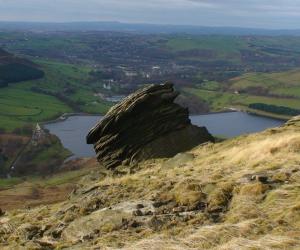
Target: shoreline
[[266, 114], [226, 110], [217, 112], [65, 116]]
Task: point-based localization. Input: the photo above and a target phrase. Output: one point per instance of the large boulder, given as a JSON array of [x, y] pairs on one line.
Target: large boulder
[[147, 124]]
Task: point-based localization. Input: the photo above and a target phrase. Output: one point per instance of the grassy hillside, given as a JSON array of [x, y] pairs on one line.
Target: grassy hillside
[[242, 193], [41, 158], [279, 84], [10, 146], [71, 81], [30, 191], [20, 106], [14, 69], [65, 88], [279, 89], [219, 101]]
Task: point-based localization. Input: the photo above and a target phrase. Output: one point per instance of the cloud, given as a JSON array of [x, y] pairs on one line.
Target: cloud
[[250, 13], [259, 6]]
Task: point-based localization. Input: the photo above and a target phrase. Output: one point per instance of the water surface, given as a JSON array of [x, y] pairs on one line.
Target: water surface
[[73, 130], [234, 123], [72, 133]]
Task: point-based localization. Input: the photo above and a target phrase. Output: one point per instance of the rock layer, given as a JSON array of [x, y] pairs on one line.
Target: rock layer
[[146, 124]]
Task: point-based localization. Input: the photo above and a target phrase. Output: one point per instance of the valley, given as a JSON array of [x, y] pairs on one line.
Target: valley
[[87, 74], [151, 188], [64, 89], [150, 125], [115, 63], [215, 71]]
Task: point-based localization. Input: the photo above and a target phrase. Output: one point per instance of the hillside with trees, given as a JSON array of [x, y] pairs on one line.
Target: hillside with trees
[[14, 69]]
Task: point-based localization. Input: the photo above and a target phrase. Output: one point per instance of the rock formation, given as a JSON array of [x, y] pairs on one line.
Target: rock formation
[[147, 124]]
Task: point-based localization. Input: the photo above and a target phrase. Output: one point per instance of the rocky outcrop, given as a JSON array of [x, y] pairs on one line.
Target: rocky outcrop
[[146, 124]]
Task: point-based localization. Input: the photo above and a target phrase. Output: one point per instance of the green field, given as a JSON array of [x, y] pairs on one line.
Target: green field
[[219, 101], [277, 88], [61, 75], [281, 83], [223, 47], [20, 104], [211, 63]]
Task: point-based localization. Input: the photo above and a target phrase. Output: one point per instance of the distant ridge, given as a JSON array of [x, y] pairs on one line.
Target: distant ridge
[[142, 28]]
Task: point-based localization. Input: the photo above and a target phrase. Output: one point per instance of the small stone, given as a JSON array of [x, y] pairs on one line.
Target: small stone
[[69, 217], [158, 204], [96, 231], [215, 209], [46, 243], [140, 206], [29, 231], [137, 213], [134, 224], [148, 213], [178, 209], [57, 233], [155, 223], [186, 218], [261, 178], [215, 217], [87, 237], [45, 227]]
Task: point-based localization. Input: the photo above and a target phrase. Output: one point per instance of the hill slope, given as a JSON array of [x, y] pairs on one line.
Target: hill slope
[[14, 69], [242, 193], [274, 90]]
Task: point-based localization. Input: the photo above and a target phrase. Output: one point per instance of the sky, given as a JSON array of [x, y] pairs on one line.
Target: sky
[[274, 14]]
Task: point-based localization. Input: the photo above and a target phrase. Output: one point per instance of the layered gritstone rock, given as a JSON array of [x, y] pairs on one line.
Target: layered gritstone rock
[[147, 124]]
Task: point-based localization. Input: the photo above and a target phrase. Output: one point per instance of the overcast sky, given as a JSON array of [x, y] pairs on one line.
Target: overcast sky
[[242, 13]]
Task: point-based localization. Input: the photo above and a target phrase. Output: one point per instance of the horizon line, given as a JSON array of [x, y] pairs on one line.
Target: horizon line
[[150, 24]]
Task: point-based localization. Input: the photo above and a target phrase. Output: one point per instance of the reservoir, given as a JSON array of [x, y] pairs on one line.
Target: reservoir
[[73, 130]]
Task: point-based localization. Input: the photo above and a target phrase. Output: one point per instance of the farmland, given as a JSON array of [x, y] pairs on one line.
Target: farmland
[[214, 68], [280, 89], [39, 100], [279, 83]]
